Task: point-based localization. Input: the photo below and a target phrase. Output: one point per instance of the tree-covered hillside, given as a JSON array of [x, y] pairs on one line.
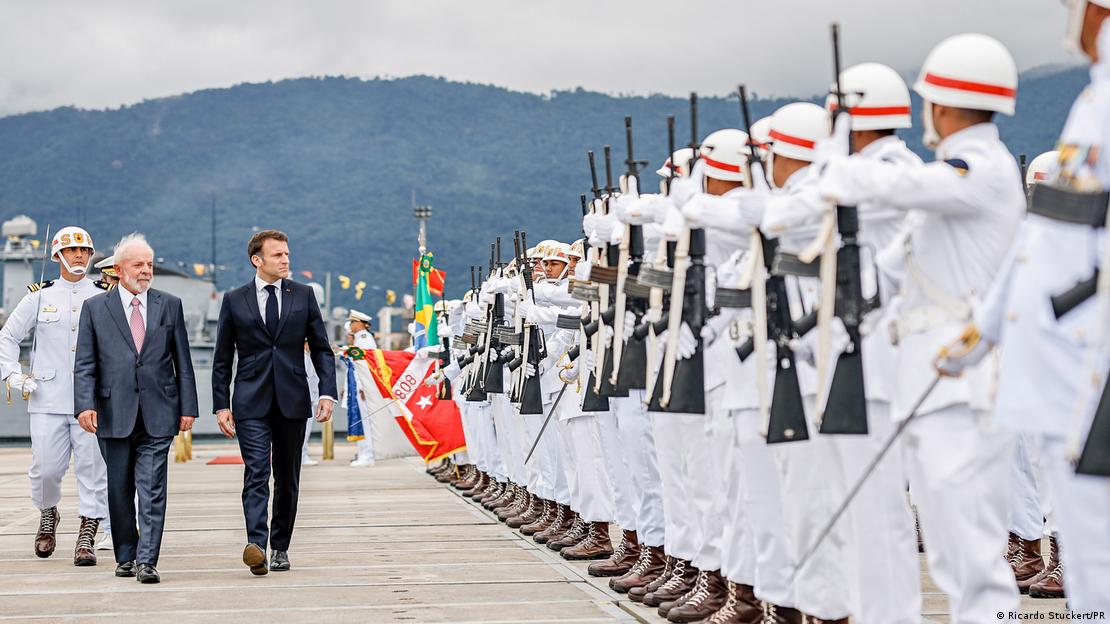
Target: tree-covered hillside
[[334, 162]]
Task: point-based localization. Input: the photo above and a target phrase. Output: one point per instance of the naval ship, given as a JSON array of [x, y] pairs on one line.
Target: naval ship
[[22, 259]]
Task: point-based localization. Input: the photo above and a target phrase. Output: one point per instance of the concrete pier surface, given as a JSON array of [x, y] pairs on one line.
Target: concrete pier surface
[[380, 544]]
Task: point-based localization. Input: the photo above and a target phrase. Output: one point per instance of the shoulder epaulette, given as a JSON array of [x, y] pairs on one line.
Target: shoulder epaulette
[[39, 286], [103, 285], [959, 164]]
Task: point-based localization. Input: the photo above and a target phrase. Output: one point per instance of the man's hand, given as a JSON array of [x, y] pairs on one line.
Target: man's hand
[[186, 423], [324, 410], [226, 422], [967, 350], [87, 420]]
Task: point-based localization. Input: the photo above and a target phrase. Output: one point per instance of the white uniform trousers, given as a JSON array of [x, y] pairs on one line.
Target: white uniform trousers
[[812, 489], [738, 551], [528, 426], [761, 500], [569, 464], [710, 483], [553, 440], [638, 441], [54, 437], [506, 425], [1027, 518], [484, 442], [882, 544], [673, 436], [616, 467], [959, 467], [594, 501], [1083, 521]]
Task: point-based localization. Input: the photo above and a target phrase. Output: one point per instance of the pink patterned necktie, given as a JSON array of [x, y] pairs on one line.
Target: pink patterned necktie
[[138, 328]]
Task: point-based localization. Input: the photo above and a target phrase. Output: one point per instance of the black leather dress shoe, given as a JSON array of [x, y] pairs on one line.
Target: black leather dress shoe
[[279, 561], [125, 569], [147, 574]]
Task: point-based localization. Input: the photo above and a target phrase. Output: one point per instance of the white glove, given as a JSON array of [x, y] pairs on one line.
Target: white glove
[[687, 343], [569, 375], [23, 383], [849, 181], [836, 145], [607, 336], [602, 231], [713, 211], [708, 335], [682, 189], [582, 271], [759, 178], [435, 378], [629, 325], [673, 224], [803, 350], [642, 209], [967, 350], [752, 206], [444, 330], [523, 307], [529, 370], [631, 186]]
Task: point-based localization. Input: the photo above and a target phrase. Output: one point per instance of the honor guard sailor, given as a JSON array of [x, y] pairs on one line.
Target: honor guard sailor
[[52, 310], [1050, 356], [970, 202]]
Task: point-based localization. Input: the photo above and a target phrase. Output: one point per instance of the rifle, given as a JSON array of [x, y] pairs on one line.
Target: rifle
[[606, 278], [633, 362], [493, 376], [687, 306], [845, 410], [474, 391], [592, 400], [787, 421]]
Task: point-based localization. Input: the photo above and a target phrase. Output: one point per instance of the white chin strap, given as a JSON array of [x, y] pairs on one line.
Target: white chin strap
[[1077, 9], [929, 137], [80, 270]]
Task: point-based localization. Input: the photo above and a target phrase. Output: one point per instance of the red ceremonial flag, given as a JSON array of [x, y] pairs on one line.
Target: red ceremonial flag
[[436, 278], [433, 427]]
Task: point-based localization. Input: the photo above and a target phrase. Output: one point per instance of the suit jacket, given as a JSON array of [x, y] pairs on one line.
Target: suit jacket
[[111, 377], [271, 367]]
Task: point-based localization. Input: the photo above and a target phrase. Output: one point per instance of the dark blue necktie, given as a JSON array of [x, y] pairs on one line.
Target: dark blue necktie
[[271, 310]]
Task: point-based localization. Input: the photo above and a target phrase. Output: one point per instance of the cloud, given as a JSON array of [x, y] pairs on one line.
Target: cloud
[[112, 52]]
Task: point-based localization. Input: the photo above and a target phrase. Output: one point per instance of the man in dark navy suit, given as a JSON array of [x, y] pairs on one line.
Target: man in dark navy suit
[[267, 322]]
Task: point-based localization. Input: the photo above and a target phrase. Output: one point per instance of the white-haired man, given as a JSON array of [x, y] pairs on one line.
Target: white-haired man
[[133, 387]]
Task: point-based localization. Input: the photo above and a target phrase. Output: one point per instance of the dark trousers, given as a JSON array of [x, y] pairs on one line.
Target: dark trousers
[[136, 463], [271, 443]]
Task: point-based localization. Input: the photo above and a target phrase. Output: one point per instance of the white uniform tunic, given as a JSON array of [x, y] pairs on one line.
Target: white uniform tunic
[[1045, 383], [970, 203], [54, 311]]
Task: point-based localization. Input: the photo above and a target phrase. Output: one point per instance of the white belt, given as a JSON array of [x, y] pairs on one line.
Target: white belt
[[925, 318]]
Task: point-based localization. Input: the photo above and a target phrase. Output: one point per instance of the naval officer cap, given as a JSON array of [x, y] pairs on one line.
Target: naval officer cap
[[358, 316]]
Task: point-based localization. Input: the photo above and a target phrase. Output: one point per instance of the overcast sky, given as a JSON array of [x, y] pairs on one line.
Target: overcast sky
[[103, 53]]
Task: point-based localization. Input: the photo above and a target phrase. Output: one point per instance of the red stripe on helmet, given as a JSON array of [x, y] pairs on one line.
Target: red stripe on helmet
[[716, 164], [965, 85], [874, 111], [793, 140]]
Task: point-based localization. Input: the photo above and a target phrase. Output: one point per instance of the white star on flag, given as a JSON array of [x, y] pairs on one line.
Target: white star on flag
[[425, 402]]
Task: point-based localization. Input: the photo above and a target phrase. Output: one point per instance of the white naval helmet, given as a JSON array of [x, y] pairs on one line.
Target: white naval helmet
[[577, 249], [970, 71], [1077, 12], [559, 252], [761, 136], [1042, 169], [796, 128], [681, 159], [725, 153], [876, 97], [71, 236], [540, 250]]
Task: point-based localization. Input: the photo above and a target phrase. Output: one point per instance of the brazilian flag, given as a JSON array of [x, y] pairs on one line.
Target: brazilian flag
[[425, 316]]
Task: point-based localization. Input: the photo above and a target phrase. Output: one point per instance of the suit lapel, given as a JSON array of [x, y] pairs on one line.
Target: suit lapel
[[115, 310], [287, 304], [251, 298], [153, 312]]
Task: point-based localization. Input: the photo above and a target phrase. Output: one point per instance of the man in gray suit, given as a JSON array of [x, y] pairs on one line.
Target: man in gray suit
[[133, 387]]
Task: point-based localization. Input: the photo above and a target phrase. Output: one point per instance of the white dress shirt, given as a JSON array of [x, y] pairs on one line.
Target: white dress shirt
[[263, 295], [126, 296]]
